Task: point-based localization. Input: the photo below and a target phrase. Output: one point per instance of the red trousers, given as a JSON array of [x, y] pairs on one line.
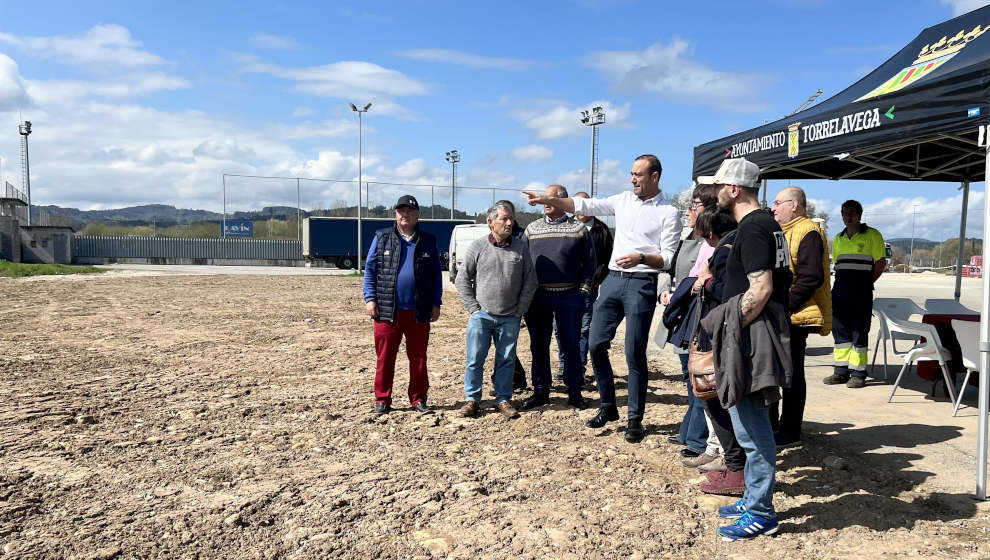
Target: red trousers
[[387, 339]]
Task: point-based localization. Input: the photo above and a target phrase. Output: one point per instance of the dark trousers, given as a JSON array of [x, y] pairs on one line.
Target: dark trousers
[[852, 313], [589, 306], [388, 335], [632, 297], [694, 429], [566, 308], [735, 456], [787, 417]]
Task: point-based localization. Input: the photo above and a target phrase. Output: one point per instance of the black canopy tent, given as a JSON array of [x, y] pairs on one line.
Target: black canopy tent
[[917, 117]]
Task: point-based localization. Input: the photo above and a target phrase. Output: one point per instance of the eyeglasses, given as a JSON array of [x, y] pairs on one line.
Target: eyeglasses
[[695, 204], [777, 203]]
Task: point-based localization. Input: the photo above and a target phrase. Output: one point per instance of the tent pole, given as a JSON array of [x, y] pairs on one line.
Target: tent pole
[[764, 193], [981, 454], [962, 238]]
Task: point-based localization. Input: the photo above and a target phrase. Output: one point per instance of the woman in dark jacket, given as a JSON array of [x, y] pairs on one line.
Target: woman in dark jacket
[[718, 228]]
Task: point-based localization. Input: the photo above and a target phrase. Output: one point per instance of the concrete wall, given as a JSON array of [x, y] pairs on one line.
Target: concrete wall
[[188, 261], [42, 244], [10, 239]]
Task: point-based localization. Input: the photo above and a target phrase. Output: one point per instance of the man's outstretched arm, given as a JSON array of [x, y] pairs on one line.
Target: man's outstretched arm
[[534, 198]]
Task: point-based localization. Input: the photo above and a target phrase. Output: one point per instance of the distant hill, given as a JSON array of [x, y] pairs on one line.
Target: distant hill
[[904, 243]]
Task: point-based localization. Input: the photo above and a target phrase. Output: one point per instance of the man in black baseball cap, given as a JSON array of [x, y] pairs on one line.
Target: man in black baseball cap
[[403, 284]]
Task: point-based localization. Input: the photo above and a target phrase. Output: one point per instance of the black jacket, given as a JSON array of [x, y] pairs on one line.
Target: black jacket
[[602, 239], [424, 269]]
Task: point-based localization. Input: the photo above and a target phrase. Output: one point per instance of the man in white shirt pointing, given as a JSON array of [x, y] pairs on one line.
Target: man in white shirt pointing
[[646, 235]]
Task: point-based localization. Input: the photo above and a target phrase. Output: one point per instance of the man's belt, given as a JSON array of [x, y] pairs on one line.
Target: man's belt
[[559, 287], [638, 275]]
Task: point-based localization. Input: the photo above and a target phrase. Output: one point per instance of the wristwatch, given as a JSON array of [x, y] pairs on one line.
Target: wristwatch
[[642, 258]]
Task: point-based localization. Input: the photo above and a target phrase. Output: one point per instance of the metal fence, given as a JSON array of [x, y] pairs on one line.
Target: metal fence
[[184, 248]]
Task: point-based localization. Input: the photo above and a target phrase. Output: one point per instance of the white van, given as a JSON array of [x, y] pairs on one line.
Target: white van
[[460, 238]]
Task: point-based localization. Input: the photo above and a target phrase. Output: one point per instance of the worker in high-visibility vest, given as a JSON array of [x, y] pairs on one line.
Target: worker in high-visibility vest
[[860, 258]]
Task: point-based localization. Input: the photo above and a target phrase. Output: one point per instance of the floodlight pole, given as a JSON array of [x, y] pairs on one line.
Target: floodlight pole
[[593, 118], [453, 157], [24, 129], [298, 213], [360, 112], [911, 258]]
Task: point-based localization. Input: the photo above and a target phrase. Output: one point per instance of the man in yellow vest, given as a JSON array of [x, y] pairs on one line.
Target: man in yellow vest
[[809, 302], [860, 258]]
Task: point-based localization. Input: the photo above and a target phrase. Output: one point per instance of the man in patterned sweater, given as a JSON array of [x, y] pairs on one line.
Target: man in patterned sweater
[[564, 257]]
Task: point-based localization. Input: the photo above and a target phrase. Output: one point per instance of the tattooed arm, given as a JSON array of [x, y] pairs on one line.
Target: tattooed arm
[[756, 297]]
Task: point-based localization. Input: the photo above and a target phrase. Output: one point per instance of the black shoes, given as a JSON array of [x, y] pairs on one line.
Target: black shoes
[[635, 432], [382, 408], [675, 439], [422, 408], [577, 401], [605, 414], [688, 454], [538, 398]]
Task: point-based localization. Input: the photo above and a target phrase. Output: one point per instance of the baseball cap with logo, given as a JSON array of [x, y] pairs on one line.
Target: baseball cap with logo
[[734, 171], [407, 200]]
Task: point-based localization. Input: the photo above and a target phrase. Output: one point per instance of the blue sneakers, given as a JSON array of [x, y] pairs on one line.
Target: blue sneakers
[[747, 527], [733, 511]]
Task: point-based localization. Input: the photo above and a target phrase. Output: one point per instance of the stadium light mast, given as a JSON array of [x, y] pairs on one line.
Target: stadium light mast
[[360, 113], [24, 129], [593, 118], [453, 157]]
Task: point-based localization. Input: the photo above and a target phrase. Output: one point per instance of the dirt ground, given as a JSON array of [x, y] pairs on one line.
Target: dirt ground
[[230, 417]]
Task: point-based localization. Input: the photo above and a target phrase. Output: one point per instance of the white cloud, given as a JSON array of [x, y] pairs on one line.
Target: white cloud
[[348, 79], [533, 152], [269, 41], [303, 111], [326, 129], [127, 85], [110, 45], [13, 91], [613, 178], [960, 7], [669, 71], [552, 120], [225, 149], [465, 59]]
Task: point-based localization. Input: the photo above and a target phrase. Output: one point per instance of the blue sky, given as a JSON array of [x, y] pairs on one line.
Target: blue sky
[[146, 102]]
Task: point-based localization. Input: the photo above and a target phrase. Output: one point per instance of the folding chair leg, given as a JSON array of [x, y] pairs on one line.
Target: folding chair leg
[[885, 362], [898, 380], [876, 349], [962, 390], [948, 381]]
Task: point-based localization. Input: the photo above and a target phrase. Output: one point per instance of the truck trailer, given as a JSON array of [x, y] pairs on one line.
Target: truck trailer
[[334, 240]]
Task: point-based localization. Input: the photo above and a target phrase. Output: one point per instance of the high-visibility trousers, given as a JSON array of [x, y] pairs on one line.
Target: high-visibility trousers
[[852, 314]]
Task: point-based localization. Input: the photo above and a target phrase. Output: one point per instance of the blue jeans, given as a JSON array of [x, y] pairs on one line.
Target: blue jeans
[[482, 329], [566, 309], [589, 305], [752, 426], [633, 298], [694, 429]]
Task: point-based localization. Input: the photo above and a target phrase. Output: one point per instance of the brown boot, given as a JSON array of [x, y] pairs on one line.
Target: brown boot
[[724, 483], [469, 410], [505, 409]]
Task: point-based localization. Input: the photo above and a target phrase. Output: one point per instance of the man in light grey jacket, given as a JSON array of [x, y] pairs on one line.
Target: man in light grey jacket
[[496, 283]]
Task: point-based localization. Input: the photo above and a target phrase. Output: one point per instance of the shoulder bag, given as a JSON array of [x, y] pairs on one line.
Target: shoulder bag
[[701, 364]]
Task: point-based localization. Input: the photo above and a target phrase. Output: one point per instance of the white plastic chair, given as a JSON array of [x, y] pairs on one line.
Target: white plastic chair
[[968, 335], [897, 308], [931, 350]]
